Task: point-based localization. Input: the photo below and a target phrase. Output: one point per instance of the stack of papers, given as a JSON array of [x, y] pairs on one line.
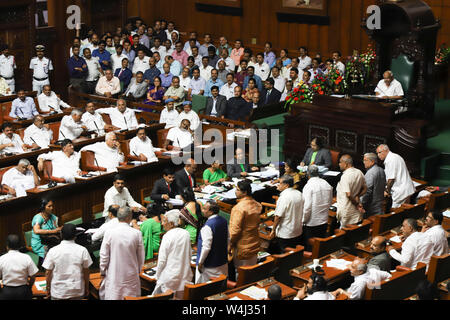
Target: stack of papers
[[266, 174], [175, 202], [332, 173], [396, 239], [255, 293], [340, 264], [446, 213], [211, 189]]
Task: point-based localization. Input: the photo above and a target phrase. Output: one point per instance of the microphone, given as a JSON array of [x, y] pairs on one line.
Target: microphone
[[23, 115], [97, 127], [60, 131], [37, 148], [381, 90], [98, 167], [126, 123], [54, 110], [51, 183]]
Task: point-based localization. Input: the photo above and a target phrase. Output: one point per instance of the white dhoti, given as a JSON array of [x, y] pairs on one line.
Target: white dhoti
[[209, 273]]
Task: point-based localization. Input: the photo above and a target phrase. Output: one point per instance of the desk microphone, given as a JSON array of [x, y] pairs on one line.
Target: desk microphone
[[54, 110], [37, 148], [51, 183], [98, 130], [381, 91], [126, 123], [60, 131], [98, 167], [23, 115]]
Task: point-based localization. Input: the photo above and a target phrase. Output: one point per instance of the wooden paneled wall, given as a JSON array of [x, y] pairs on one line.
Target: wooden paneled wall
[[259, 20]]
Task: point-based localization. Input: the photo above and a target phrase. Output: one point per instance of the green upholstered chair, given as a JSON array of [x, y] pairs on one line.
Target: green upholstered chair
[[198, 103], [26, 232], [72, 217], [403, 70]]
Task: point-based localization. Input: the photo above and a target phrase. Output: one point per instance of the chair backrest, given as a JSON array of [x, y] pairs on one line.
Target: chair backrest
[[47, 173], [291, 259], [145, 193], [335, 158], [439, 268], [257, 272], [5, 110], [162, 135], [202, 290], [88, 161], [356, 233], [198, 102], [323, 246], [26, 233], [385, 222], [416, 211], [125, 147], [74, 217], [403, 70], [163, 296], [401, 285], [439, 201], [2, 172], [54, 126], [106, 118]]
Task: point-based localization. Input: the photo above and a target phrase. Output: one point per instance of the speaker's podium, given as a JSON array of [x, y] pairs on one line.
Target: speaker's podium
[[354, 126]]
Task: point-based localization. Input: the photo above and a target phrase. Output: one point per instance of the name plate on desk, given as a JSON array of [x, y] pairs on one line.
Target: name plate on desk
[[220, 296], [266, 282], [337, 254], [302, 268]]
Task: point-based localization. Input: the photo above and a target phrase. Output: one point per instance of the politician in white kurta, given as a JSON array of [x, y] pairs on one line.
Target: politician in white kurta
[[125, 121], [174, 261], [193, 118], [41, 136], [122, 256], [138, 147], [109, 158], [403, 187]]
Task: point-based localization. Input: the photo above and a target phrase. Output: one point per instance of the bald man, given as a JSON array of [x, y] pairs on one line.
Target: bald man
[[349, 191], [381, 259], [389, 88]]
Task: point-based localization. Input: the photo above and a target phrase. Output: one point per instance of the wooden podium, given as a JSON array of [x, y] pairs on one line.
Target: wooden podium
[[355, 127]]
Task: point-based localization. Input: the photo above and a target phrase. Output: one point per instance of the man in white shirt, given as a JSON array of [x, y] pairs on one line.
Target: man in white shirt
[[229, 63], [7, 67], [389, 87], [38, 135], [212, 261], [318, 195], [159, 48], [262, 69], [304, 59], [65, 163], [205, 69], [349, 190], [17, 272], [94, 71], [111, 223], [364, 277], [107, 154], [189, 114], [197, 84], [49, 101], [288, 222], [315, 289], [67, 268], [417, 247], [108, 85], [337, 62], [173, 271], [169, 115], [94, 120], [185, 80], [119, 195], [116, 59], [227, 89], [19, 179], [71, 126], [121, 116], [180, 137], [399, 183], [141, 146], [122, 256], [294, 77], [41, 67], [11, 142], [280, 82], [434, 231], [141, 62]]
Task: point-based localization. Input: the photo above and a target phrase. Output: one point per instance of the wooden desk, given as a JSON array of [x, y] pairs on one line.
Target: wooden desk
[[354, 126], [287, 293], [38, 293], [6, 161], [332, 275], [47, 117]]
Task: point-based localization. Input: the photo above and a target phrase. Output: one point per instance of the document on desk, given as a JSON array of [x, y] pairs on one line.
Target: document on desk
[[41, 285], [416, 184], [265, 174], [150, 273], [45, 186], [396, 239], [91, 231], [255, 293], [212, 189], [340, 264]]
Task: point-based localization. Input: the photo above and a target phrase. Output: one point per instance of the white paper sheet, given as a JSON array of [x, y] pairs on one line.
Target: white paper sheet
[[396, 239], [332, 173], [340, 264], [41, 285], [255, 293], [175, 202], [91, 231]]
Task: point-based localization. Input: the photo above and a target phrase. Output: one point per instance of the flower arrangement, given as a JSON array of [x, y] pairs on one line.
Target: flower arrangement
[[319, 86], [442, 55], [359, 67], [301, 93], [335, 81]]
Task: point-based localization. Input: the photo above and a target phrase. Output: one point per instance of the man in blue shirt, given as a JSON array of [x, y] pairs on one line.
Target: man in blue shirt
[[175, 66], [166, 77], [251, 74], [214, 81], [23, 107], [129, 52], [77, 66], [152, 73], [104, 56], [124, 74]]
